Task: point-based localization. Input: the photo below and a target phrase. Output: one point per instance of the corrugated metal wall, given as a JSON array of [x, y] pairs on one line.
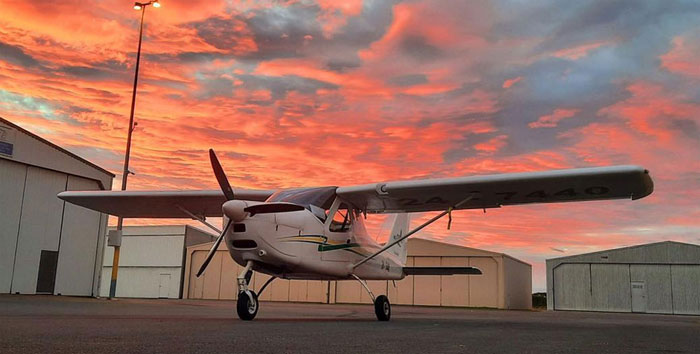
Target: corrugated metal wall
[[82, 234], [685, 281], [33, 220], [147, 263], [12, 175], [668, 288], [39, 227]]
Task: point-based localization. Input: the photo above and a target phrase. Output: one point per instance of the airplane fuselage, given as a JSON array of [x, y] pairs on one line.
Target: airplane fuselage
[[298, 245]]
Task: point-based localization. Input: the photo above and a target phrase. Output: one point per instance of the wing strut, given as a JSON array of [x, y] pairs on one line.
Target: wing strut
[[198, 218], [434, 219]]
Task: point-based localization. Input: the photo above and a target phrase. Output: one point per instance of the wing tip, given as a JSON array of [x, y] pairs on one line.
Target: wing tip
[[647, 185]]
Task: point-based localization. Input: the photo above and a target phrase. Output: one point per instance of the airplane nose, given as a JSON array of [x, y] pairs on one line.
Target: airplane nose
[[233, 209]]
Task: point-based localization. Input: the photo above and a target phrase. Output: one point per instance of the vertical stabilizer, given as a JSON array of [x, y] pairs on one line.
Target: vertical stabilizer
[[400, 228]]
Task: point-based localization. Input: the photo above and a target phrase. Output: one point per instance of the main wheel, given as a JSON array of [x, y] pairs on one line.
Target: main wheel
[[247, 306], [382, 308]]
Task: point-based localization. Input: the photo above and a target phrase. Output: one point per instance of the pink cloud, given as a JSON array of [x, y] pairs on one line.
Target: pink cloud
[[683, 57], [510, 82], [553, 119], [493, 145], [580, 51]]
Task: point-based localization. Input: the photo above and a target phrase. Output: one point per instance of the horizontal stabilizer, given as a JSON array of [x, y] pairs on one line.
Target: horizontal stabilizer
[[441, 270]]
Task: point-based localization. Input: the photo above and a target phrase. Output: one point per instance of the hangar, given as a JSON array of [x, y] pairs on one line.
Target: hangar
[[47, 246], [152, 259], [661, 277], [506, 282]]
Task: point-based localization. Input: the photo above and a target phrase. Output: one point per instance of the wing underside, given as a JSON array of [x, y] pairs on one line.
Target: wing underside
[[598, 183], [158, 204]]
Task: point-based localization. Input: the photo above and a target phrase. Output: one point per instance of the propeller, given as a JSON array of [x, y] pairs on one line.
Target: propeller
[[212, 251], [228, 193], [238, 210], [220, 176]]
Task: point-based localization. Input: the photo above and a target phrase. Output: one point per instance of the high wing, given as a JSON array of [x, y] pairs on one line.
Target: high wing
[[493, 191], [159, 204]]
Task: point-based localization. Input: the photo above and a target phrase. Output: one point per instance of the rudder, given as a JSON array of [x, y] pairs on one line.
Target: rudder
[[400, 228]]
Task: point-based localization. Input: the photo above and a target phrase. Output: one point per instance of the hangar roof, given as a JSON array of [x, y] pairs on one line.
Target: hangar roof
[[20, 145], [665, 252], [424, 247]]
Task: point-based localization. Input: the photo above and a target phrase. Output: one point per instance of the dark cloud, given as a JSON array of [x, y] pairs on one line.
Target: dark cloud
[[279, 86], [221, 33], [16, 55], [369, 26], [109, 69], [236, 155], [419, 48], [85, 72], [686, 126], [620, 20], [215, 86], [340, 51], [282, 32], [343, 64], [408, 80]]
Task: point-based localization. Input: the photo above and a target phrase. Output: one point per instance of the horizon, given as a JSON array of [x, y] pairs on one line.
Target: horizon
[[342, 93]]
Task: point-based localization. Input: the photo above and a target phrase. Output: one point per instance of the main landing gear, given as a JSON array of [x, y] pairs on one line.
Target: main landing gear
[[382, 307], [247, 303]]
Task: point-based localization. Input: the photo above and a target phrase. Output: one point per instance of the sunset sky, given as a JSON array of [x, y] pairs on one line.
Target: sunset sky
[[309, 93]]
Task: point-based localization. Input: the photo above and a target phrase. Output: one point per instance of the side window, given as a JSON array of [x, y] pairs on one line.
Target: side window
[[341, 220]]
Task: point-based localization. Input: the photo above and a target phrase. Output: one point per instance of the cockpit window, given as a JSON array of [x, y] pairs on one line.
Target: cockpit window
[[320, 197], [342, 219]]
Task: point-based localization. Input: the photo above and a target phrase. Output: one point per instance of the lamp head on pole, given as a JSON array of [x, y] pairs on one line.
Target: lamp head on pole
[[141, 5]]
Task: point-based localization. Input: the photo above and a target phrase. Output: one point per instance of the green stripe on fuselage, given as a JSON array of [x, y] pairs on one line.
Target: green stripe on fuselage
[[323, 248]]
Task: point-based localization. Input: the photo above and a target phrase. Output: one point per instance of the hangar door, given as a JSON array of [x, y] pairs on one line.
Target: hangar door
[[649, 288], [219, 282]]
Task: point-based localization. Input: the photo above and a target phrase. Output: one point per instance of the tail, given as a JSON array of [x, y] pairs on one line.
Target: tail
[[400, 228]]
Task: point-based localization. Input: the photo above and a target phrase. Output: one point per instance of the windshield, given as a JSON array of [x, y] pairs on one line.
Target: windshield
[[321, 197]]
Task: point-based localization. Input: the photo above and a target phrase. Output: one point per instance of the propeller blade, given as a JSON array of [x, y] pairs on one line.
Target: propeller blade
[[220, 176], [212, 251], [272, 208]]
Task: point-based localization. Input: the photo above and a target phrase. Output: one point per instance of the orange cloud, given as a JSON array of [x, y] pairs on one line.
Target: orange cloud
[[552, 120], [683, 57], [580, 51], [492, 145], [510, 82]]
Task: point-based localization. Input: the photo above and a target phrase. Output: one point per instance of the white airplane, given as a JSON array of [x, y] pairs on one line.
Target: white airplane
[[319, 233]]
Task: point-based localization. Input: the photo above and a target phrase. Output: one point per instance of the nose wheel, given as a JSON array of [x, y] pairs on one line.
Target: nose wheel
[[247, 305]]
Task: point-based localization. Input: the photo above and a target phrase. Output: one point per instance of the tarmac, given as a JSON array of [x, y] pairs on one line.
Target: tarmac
[[59, 324]]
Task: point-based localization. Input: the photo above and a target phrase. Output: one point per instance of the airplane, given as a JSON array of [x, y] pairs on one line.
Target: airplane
[[318, 233]]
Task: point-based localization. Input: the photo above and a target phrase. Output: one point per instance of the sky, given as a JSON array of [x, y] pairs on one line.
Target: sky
[[310, 93]]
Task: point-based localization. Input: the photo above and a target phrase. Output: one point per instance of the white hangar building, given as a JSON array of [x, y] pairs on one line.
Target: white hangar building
[[47, 246], [506, 283], [151, 260], [659, 277]]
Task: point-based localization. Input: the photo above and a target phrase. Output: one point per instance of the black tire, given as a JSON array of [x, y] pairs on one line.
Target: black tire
[[245, 308], [382, 308]]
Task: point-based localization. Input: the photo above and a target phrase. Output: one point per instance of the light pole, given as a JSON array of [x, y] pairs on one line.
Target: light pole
[[115, 261]]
